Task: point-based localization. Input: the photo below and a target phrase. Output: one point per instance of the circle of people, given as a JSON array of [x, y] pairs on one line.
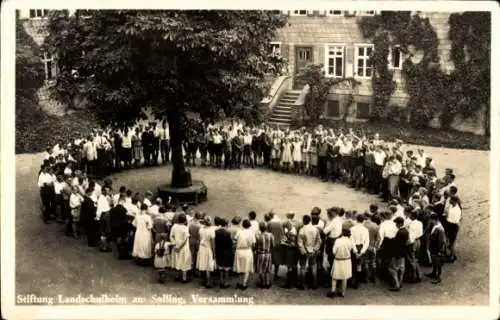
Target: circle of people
[[345, 248]]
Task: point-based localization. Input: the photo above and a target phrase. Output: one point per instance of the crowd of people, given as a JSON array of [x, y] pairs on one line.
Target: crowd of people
[[335, 247]]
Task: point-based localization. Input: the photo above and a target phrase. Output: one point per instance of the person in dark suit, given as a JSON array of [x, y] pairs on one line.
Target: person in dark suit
[[120, 228], [437, 248], [87, 218], [147, 142], [275, 227], [398, 252]]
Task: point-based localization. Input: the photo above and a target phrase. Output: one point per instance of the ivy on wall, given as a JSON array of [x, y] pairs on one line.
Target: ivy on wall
[[470, 33], [319, 89], [424, 81]]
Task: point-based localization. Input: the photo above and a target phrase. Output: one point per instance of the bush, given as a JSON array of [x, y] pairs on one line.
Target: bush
[[35, 130]]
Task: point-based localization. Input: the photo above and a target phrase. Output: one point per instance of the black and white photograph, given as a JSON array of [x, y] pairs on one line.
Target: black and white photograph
[[338, 155]]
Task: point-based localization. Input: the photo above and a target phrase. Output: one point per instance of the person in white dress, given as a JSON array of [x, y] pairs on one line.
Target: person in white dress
[[143, 239], [286, 156], [162, 259], [342, 265], [296, 154], [205, 261], [243, 259], [181, 255]]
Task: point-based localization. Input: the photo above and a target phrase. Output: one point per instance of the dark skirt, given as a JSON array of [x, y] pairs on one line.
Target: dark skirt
[[277, 255], [224, 259], [290, 255]]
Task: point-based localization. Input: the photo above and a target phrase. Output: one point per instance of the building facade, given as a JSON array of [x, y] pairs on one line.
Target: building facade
[[333, 38]]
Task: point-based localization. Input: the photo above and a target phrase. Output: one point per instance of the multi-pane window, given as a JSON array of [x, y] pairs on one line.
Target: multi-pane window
[[304, 55], [49, 63], [333, 109], [38, 13], [275, 48], [299, 12], [334, 12], [334, 55], [362, 110], [395, 57], [364, 67]]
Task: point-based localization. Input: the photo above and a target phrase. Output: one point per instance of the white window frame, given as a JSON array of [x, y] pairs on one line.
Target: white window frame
[[366, 13], [44, 13], [331, 14], [45, 60], [328, 56], [275, 44], [389, 58], [366, 58], [296, 13]]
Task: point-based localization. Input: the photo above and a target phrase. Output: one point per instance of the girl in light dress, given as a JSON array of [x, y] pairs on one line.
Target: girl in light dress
[[342, 265], [163, 258], [243, 260], [286, 156], [181, 255], [143, 238], [205, 261], [296, 154]]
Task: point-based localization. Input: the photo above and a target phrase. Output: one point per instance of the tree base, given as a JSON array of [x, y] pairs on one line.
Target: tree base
[[181, 178], [193, 194]]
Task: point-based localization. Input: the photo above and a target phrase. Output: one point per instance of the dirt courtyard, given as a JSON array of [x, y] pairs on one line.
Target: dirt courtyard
[[48, 263]]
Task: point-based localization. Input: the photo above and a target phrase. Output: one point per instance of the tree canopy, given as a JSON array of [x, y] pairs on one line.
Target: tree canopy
[[123, 60]]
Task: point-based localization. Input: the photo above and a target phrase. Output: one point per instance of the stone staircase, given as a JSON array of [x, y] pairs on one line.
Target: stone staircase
[[283, 113]]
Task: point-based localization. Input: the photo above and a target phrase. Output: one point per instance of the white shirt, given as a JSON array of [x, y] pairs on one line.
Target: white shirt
[[395, 168], [147, 202], [102, 206], [247, 139], [170, 215], [360, 235], [421, 160], [45, 179], [154, 209], [454, 214], [90, 151], [75, 200], [58, 186], [254, 226], [132, 209], [115, 199], [164, 133], [217, 139], [67, 171], [415, 230], [379, 157], [126, 141], [346, 148], [387, 229], [333, 228]]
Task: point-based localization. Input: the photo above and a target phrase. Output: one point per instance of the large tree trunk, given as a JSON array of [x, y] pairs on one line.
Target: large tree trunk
[[181, 177]]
